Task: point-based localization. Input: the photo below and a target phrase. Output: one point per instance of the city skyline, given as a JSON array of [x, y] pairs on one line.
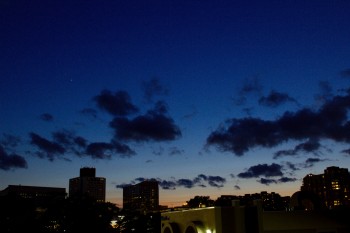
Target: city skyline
[[206, 97]]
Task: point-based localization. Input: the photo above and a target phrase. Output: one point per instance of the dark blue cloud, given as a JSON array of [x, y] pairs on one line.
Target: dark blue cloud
[[10, 141], [46, 117], [329, 122], [152, 88], [312, 145], [11, 161], [267, 181], [47, 149], [275, 99], [199, 181], [117, 104], [154, 126], [262, 170], [310, 162], [104, 150], [345, 73], [89, 112]]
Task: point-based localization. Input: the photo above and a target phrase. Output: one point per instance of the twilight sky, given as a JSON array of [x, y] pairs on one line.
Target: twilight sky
[[207, 97]]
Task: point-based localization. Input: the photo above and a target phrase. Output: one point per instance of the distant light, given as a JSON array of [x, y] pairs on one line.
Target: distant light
[[208, 231]]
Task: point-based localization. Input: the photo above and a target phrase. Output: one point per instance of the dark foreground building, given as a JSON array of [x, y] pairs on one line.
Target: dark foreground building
[[332, 187], [143, 197], [37, 194], [87, 184]]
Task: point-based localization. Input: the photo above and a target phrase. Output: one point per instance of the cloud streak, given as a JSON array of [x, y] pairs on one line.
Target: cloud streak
[[199, 181]]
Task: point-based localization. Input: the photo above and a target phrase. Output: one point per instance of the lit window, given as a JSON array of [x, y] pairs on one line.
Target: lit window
[[335, 185]]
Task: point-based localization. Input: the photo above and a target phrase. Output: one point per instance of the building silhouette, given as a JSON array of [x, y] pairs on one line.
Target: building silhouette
[[269, 201], [143, 197], [332, 187], [37, 194], [88, 185]]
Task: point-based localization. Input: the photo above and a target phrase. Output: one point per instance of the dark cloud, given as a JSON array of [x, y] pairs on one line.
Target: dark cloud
[[123, 149], [345, 73], [329, 122], [312, 145], [267, 181], [141, 179], [286, 179], [292, 166], [103, 150], [175, 151], [100, 150], [11, 161], [64, 137], [262, 170], [282, 153], [9, 141], [187, 183], [243, 134], [155, 125], [346, 152], [251, 86], [71, 142], [275, 181], [66, 142], [80, 141], [158, 151], [168, 185], [121, 186], [199, 181], [191, 114], [216, 181], [47, 149], [326, 92], [236, 187], [90, 112], [275, 99], [117, 104], [310, 162], [46, 117], [309, 146], [153, 87]]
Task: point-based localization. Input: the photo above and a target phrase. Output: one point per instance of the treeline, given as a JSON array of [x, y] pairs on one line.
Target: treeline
[[71, 215]]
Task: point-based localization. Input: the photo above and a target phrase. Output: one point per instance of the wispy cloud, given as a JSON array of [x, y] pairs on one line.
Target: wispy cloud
[[152, 88]]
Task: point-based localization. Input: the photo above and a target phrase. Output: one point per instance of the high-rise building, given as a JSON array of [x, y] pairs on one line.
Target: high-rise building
[[87, 184], [333, 186], [143, 197]]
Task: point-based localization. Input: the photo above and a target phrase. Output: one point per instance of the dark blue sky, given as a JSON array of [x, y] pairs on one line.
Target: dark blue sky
[[208, 97]]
